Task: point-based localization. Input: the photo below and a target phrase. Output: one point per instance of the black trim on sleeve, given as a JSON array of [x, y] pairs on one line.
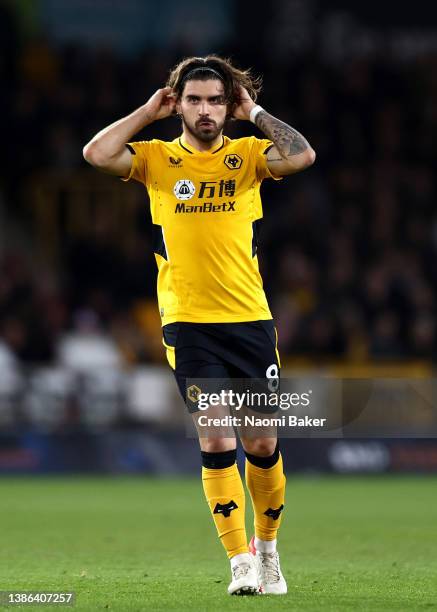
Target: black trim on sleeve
[[131, 149], [268, 149], [158, 241], [256, 227]]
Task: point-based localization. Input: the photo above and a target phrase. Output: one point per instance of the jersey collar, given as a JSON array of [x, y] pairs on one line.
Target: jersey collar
[[187, 147]]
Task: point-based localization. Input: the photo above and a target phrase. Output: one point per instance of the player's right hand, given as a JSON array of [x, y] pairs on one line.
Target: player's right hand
[[161, 104]]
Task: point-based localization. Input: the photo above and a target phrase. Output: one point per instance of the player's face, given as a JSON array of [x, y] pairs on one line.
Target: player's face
[[203, 108]]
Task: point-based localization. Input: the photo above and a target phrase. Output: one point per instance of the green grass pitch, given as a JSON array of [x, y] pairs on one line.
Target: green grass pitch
[[125, 544]]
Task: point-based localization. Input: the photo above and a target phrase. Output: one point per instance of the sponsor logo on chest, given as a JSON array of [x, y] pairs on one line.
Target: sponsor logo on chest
[[206, 207], [185, 189]]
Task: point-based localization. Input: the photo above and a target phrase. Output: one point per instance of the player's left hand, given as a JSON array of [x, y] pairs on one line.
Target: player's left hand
[[244, 105]]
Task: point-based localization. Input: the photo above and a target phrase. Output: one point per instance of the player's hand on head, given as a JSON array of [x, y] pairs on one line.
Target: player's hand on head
[[161, 104], [243, 105]]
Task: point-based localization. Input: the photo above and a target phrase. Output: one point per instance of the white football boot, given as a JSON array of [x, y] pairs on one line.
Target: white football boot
[[244, 575], [271, 580]]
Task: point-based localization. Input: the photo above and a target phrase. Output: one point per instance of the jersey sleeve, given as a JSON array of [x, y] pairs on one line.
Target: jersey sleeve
[[260, 149], [140, 152]]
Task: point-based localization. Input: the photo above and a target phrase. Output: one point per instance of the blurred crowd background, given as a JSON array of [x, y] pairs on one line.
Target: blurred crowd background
[[348, 247]]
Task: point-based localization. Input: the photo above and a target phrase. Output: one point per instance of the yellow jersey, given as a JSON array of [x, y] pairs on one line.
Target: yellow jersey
[[205, 207]]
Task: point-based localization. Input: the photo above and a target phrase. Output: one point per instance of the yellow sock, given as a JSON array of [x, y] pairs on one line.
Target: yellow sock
[[267, 490], [225, 495]]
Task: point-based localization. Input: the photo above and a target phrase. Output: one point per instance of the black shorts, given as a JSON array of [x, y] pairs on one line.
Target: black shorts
[[221, 351]]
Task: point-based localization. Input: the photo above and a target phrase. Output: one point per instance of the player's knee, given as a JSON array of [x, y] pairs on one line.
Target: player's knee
[[260, 447], [217, 445]]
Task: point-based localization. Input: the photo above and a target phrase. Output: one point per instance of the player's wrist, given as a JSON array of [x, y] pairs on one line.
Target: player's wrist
[[255, 112], [148, 115]]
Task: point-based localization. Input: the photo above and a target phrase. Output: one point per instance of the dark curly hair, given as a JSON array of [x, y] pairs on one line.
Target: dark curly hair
[[215, 67]]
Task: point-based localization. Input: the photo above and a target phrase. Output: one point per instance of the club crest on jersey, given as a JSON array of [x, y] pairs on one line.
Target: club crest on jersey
[[184, 189], [176, 162], [233, 161]]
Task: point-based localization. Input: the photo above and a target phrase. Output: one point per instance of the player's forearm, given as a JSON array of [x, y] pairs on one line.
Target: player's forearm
[[111, 141], [288, 141]]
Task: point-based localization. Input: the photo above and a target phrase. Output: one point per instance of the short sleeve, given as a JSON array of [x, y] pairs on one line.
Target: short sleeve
[[140, 152], [260, 149]]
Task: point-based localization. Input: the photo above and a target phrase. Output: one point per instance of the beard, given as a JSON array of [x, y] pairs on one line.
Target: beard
[[203, 132]]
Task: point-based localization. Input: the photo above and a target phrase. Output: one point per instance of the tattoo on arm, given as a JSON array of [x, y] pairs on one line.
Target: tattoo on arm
[[288, 141]]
